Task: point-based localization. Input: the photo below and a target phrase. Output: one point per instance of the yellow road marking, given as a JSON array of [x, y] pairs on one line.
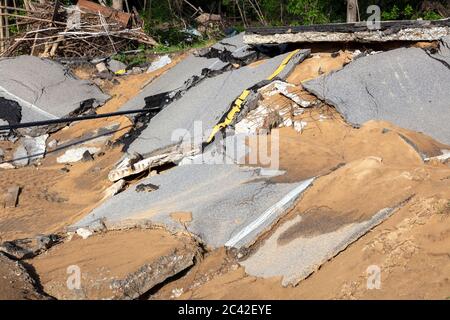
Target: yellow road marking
[[239, 101]]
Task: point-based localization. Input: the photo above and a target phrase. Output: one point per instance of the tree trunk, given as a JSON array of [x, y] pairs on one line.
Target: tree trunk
[[352, 11], [118, 5]]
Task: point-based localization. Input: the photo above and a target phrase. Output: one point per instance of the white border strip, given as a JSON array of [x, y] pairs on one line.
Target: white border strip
[[269, 213]]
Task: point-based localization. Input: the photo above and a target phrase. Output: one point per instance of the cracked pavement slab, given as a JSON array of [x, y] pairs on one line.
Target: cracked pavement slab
[[123, 264], [330, 216], [405, 86], [230, 205], [203, 105], [45, 89]]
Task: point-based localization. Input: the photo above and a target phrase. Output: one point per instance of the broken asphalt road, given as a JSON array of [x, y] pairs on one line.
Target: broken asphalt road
[[404, 86], [45, 89], [206, 103], [229, 205]]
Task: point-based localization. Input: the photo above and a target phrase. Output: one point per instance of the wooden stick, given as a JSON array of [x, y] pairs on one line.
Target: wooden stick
[[6, 23], [2, 35], [15, 12], [34, 43], [33, 18]]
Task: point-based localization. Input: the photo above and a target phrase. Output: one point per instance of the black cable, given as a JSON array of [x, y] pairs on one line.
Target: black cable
[[73, 119]]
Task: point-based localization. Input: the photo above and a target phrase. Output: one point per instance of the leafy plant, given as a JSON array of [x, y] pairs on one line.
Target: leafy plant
[[310, 11], [393, 14], [431, 15]]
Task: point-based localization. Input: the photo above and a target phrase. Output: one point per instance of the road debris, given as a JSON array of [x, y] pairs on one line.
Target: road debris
[[77, 154], [122, 264], [252, 204], [159, 63], [16, 282], [29, 247], [391, 86], [45, 90], [11, 197]]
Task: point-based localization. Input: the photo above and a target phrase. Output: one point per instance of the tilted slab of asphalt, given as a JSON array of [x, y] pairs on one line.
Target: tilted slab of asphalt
[[180, 77], [44, 88], [204, 104], [177, 78], [300, 257], [239, 50], [407, 87], [230, 205]]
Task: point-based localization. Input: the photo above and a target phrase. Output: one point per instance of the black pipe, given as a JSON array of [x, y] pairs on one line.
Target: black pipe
[[73, 119]]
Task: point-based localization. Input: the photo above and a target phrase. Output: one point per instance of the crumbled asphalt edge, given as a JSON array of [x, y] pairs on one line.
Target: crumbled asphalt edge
[[29, 247], [86, 107], [139, 284], [227, 56], [30, 273]]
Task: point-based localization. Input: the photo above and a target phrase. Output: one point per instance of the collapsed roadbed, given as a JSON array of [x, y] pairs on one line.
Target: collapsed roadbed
[[148, 207]]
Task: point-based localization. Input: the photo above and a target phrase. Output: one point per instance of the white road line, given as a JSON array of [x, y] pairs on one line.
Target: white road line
[[269, 213]]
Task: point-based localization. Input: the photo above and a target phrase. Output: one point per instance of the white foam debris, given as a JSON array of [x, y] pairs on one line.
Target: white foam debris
[[299, 125], [442, 158], [76, 154], [158, 64], [253, 121], [84, 233]]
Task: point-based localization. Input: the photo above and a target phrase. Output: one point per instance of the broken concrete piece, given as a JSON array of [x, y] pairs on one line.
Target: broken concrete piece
[[441, 158], [84, 233], [30, 149], [16, 282], [35, 147], [415, 30], [250, 202], [11, 197], [101, 67], [29, 247], [45, 89], [116, 66], [6, 166], [133, 165], [404, 86], [114, 265], [232, 49], [20, 156], [159, 63], [288, 90], [76, 154]]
